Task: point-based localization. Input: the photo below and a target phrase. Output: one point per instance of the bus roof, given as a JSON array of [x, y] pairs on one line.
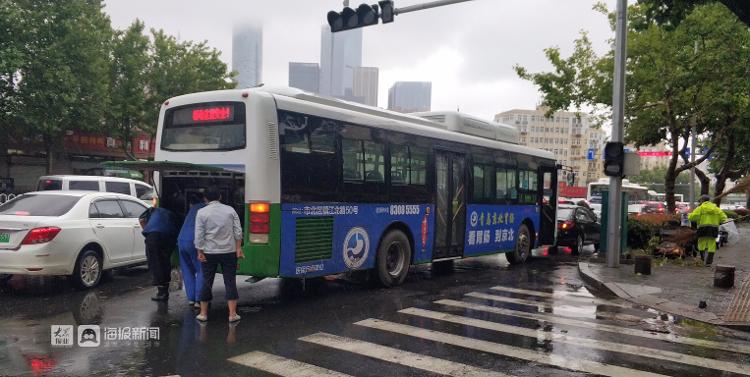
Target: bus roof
[[291, 99]]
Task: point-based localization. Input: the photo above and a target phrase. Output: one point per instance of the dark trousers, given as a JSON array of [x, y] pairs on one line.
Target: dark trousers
[[228, 263], [159, 248]]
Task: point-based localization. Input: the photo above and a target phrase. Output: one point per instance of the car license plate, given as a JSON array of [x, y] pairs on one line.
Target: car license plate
[[4, 237]]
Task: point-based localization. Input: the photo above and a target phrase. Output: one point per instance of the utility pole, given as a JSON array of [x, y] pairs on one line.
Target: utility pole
[[618, 119]]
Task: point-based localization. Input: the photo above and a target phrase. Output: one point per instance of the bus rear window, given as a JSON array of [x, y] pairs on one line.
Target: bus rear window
[[204, 126]]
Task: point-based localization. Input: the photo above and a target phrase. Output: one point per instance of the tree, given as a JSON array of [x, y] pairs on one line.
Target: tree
[[178, 68], [672, 12], [63, 78], [670, 87], [656, 175], [12, 55], [128, 84]]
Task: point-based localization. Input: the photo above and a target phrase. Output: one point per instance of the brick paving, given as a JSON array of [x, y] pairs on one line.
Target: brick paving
[[677, 287]]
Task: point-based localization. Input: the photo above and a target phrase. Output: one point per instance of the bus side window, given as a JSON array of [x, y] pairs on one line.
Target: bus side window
[[374, 156], [417, 165], [352, 155], [399, 164]]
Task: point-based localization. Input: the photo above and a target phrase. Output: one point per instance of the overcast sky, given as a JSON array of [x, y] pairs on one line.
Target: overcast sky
[[467, 50]]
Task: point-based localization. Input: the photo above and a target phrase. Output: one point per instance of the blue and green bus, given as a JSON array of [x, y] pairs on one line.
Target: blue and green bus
[[326, 186]]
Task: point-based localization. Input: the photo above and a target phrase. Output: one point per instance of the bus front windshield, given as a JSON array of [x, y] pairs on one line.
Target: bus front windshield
[[205, 126]]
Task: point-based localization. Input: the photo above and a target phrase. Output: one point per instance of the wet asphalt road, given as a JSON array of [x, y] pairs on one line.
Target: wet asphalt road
[[484, 318]]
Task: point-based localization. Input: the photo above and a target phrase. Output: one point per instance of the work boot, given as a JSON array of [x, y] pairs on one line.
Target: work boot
[[709, 259], [162, 293]]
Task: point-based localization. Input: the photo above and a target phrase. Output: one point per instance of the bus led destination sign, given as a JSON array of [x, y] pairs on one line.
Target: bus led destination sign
[[212, 114]]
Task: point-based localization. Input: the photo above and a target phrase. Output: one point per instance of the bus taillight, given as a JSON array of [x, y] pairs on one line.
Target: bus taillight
[[260, 222]]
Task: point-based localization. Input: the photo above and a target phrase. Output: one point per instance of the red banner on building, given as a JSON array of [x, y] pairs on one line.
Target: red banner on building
[[655, 153]]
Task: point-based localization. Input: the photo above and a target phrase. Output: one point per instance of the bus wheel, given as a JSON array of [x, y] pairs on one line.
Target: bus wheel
[[393, 259], [523, 246]]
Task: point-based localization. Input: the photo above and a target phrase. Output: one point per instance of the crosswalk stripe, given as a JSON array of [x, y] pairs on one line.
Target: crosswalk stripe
[[401, 357], [738, 348], [561, 296], [653, 353], [543, 304], [282, 366], [505, 350]]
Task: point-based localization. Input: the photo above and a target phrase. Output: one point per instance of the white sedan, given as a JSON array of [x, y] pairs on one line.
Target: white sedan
[[79, 234]]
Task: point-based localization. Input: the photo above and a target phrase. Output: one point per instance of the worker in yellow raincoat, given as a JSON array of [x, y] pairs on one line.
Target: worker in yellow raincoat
[[708, 216]]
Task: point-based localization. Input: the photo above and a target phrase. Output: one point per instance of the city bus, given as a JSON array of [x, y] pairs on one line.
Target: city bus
[[325, 186], [637, 194], [662, 197]]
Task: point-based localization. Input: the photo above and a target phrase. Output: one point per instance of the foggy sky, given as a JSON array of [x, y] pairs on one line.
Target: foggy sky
[[466, 50]]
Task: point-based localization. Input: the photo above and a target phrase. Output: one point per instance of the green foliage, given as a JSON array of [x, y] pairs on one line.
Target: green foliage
[[731, 214], [63, 68], [676, 75], [639, 233]]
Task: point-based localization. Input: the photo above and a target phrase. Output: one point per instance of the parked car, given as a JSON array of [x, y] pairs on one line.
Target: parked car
[[576, 227], [653, 207], [74, 233], [125, 186]]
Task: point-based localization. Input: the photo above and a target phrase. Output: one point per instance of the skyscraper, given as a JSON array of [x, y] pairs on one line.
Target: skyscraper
[[305, 76], [410, 96], [247, 54], [366, 85], [340, 54]]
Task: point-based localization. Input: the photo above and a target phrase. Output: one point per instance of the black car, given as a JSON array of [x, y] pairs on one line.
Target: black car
[[577, 226]]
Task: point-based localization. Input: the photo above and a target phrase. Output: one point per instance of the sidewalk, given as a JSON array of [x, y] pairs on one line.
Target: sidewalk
[[678, 289]]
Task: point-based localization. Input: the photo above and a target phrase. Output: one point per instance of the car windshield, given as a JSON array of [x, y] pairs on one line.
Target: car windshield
[[564, 213], [39, 205]]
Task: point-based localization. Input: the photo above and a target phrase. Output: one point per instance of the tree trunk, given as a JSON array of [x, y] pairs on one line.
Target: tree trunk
[[704, 180], [726, 168], [49, 162]]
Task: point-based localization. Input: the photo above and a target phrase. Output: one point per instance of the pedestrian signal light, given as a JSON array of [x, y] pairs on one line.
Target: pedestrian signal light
[[614, 159]]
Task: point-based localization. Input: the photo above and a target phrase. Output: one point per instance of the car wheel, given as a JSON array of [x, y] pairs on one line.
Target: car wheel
[[597, 247], [393, 259], [579, 245], [523, 246], [88, 270]]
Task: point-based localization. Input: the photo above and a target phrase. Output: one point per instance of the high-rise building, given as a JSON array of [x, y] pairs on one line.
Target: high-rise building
[[410, 96], [366, 85], [305, 76], [340, 54], [576, 144], [247, 55]]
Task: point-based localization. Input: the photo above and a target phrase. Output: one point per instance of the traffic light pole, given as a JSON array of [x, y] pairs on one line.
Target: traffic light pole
[[618, 106], [433, 4]]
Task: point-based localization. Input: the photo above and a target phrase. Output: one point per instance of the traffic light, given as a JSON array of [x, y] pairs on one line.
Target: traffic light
[[386, 11], [614, 159], [365, 15]]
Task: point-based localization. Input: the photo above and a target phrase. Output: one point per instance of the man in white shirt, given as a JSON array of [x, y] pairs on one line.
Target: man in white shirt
[[218, 239]]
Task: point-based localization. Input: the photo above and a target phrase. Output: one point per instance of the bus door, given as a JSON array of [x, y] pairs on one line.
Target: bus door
[[548, 204], [450, 209]]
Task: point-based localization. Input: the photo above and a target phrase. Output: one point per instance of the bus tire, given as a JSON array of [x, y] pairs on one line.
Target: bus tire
[[393, 259], [523, 246]]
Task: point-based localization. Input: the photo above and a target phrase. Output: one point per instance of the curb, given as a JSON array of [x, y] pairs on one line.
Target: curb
[[593, 280]]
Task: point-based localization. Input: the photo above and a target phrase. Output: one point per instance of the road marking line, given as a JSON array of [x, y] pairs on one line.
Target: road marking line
[[543, 304], [561, 295], [282, 366], [738, 348], [401, 357], [603, 345], [505, 350]]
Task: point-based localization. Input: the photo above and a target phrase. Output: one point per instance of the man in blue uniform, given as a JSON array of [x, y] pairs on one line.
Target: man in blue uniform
[[160, 230]]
